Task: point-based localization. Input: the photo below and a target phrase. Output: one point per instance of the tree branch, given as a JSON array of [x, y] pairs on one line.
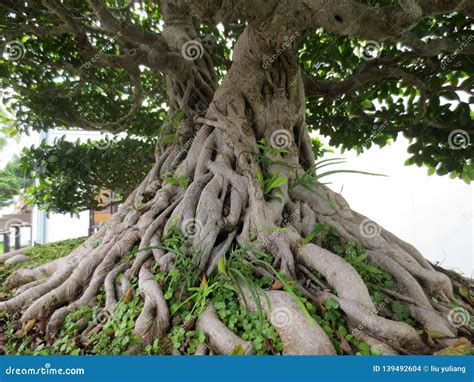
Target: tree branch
[[348, 17]]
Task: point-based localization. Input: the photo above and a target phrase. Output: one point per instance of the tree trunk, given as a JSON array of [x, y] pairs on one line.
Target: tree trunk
[[224, 204]]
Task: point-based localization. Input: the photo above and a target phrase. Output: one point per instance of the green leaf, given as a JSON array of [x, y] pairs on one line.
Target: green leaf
[[317, 230], [221, 265], [238, 350], [279, 181], [177, 119], [331, 304]]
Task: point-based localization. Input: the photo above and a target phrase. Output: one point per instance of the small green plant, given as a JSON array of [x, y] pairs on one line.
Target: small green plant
[[250, 326], [271, 184], [39, 255], [334, 324], [181, 181], [374, 278], [266, 152], [199, 297], [312, 177]]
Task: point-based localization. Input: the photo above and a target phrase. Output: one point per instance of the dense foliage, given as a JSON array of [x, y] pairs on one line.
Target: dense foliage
[[70, 175], [13, 181], [92, 81]]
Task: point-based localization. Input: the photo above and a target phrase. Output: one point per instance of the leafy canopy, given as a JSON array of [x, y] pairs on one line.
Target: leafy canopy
[[70, 71]]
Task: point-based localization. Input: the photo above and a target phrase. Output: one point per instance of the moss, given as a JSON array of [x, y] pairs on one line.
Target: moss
[[39, 255]]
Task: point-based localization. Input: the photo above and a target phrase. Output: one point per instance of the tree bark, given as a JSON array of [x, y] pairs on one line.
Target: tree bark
[[224, 204]]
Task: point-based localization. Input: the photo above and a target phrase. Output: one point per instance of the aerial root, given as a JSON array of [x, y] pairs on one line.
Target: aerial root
[[398, 335], [339, 274], [373, 342]]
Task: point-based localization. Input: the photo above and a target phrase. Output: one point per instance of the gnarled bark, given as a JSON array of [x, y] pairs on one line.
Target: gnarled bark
[[224, 204]]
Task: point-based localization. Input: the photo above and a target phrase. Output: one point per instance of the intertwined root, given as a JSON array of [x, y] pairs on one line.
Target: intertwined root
[[224, 205]]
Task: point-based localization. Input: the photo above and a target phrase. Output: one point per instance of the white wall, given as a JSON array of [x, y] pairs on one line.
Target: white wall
[[61, 227], [435, 214]]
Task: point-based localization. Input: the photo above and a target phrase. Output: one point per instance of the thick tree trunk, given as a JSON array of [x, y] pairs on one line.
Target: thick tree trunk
[[224, 204]]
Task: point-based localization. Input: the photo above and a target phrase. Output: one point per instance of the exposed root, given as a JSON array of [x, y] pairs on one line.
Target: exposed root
[[227, 189], [221, 339], [340, 275], [154, 319], [298, 334]]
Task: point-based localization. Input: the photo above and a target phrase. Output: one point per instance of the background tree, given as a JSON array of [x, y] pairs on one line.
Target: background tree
[[12, 182], [234, 194]]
